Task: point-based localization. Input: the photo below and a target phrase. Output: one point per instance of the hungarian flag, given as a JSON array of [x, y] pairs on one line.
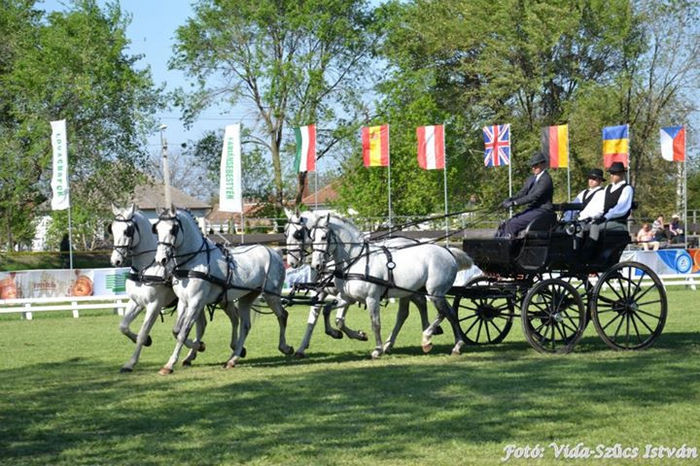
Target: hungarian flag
[[616, 143], [306, 148], [555, 145], [673, 143], [375, 146], [431, 147]]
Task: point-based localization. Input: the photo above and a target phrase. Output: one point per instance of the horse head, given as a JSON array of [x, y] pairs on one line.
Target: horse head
[[167, 228], [298, 236], [125, 233], [322, 238]]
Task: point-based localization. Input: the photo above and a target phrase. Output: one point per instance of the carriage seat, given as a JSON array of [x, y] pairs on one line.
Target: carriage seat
[[539, 228]]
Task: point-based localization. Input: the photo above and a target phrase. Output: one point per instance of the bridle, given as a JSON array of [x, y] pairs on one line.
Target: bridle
[[329, 239], [170, 246], [132, 228], [300, 234]]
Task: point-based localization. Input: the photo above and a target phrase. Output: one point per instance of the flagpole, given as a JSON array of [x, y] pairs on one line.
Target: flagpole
[[444, 182], [568, 164], [388, 143], [70, 237], [315, 189], [685, 188], [510, 181]]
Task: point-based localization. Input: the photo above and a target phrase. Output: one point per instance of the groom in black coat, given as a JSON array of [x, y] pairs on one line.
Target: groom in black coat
[[536, 194]]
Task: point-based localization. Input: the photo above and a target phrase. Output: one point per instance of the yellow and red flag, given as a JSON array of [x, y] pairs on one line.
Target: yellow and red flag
[[375, 146], [555, 145]]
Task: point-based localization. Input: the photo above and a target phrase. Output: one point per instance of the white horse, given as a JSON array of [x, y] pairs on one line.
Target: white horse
[[147, 285], [377, 272], [206, 274], [298, 242]]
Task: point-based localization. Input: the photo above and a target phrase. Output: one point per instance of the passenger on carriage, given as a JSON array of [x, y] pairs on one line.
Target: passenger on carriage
[[595, 180], [610, 207], [536, 194]]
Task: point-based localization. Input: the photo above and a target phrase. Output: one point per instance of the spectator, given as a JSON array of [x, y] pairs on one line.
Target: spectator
[[645, 237], [675, 230], [658, 228]]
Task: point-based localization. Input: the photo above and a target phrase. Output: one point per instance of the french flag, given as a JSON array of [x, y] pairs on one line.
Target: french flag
[[673, 143]]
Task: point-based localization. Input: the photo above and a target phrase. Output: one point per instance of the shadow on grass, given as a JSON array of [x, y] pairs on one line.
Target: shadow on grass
[[80, 410]]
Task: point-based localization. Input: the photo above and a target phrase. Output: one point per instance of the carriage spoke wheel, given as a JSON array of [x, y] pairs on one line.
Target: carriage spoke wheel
[[584, 287], [628, 311], [553, 316], [485, 319]]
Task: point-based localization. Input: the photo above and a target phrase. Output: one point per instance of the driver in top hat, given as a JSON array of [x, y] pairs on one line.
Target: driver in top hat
[[536, 194], [610, 207]]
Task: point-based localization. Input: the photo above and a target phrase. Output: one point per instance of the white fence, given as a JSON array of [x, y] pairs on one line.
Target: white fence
[[27, 306]]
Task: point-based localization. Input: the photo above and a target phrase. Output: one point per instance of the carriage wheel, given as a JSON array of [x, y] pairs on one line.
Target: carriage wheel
[[629, 314], [584, 287], [486, 319], [553, 316]]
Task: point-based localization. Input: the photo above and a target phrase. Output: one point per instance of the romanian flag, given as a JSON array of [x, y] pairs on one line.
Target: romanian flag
[[306, 148], [673, 143], [375, 146], [555, 145], [431, 147], [616, 145]]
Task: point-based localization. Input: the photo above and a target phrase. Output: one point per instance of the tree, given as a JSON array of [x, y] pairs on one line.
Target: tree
[[73, 65], [292, 62]]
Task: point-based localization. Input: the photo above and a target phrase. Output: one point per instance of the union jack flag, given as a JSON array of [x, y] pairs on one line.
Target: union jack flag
[[496, 145]]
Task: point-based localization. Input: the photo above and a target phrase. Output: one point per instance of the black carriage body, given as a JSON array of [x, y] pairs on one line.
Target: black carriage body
[[551, 250]]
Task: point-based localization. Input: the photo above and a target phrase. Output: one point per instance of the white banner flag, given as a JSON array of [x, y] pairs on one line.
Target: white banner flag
[[59, 179], [230, 189]]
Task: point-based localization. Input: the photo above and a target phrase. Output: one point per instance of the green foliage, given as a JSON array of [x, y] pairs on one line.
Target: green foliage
[[72, 66], [292, 62]]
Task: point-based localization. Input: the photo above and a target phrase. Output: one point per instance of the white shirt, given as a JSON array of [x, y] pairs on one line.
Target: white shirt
[[596, 206], [569, 215]]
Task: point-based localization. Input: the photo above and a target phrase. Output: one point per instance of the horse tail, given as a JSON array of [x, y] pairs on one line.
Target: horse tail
[[462, 258]]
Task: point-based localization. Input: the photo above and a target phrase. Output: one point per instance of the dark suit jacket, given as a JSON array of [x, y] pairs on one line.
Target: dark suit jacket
[[535, 195]]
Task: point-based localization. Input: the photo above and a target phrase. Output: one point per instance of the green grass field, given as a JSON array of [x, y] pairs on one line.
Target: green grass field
[[63, 399]]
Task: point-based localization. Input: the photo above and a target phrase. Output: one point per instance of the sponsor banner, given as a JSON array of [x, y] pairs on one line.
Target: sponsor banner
[[63, 283], [667, 261]]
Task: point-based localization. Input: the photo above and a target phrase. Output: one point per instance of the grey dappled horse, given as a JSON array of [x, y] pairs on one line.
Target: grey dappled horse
[[298, 241], [147, 285], [207, 274], [375, 273]]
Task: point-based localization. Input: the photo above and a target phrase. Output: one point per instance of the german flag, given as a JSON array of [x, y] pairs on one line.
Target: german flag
[[555, 145]]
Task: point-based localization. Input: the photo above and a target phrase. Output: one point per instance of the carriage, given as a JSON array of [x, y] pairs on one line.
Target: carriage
[[556, 280]]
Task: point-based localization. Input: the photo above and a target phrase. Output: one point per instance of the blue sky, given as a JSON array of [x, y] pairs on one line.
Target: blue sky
[[152, 32]]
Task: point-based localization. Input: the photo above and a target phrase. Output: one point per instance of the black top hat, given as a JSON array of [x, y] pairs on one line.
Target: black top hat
[[596, 173], [537, 158], [617, 167]]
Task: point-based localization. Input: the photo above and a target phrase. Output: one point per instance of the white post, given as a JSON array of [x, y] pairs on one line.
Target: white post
[[444, 182], [166, 169], [28, 312], [391, 222], [568, 164]]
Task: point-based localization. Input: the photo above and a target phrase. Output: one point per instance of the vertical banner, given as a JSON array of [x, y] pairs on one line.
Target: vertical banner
[[616, 143], [230, 187], [306, 149], [59, 179], [431, 147], [375, 146]]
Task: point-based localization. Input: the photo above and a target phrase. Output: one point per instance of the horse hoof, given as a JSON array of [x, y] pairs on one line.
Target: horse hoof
[[456, 352], [438, 331], [202, 347], [427, 347], [335, 335], [376, 354], [299, 355], [165, 371], [186, 363], [362, 336], [244, 352], [149, 341], [287, 351], [229, 365], [125, 370]]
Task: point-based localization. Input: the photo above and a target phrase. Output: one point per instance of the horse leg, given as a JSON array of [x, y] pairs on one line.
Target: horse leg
[[132, 310], [310, 324], [184, 323], [373, 308], [143, 338], [198, 345], [446, 311], [401, 316], [282, 315], [330, 331], [340, 323], [422, 304], [244, 304]]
